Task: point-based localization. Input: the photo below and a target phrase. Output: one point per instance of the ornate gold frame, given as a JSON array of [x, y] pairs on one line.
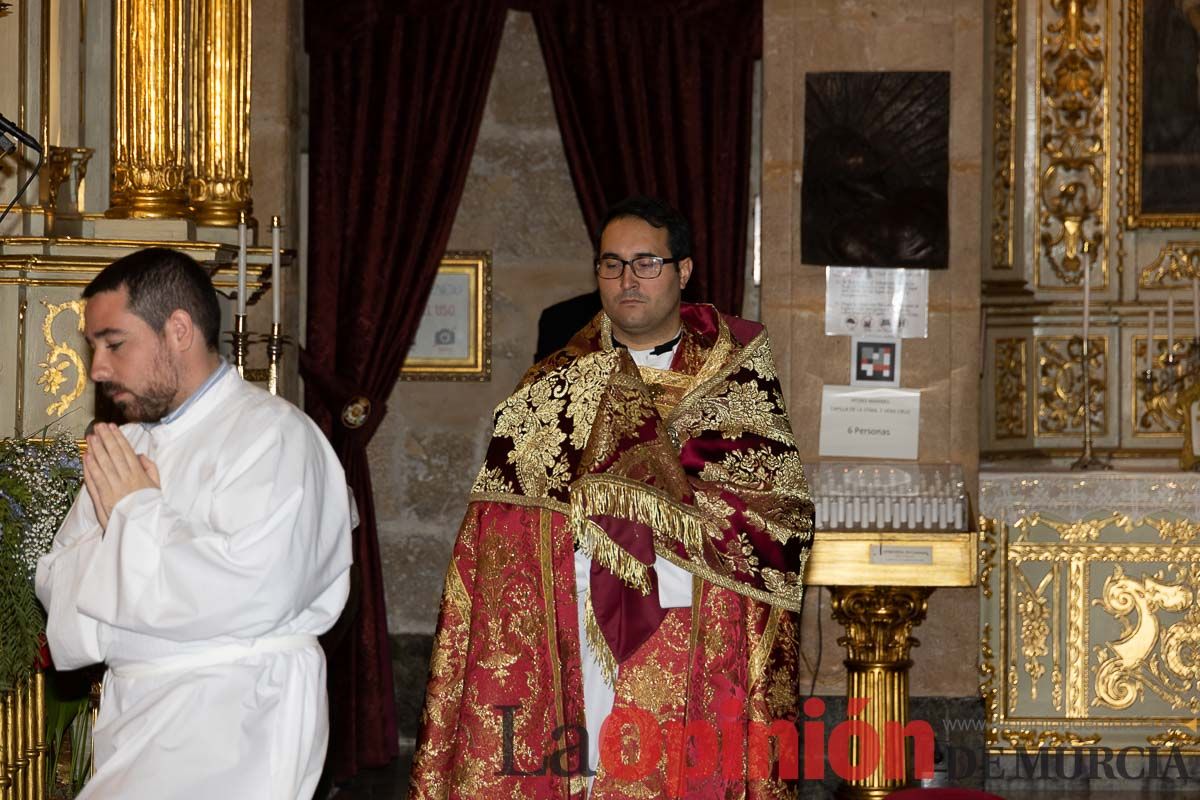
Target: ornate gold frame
[[1188, 457], [477, 366], [1134, 18]]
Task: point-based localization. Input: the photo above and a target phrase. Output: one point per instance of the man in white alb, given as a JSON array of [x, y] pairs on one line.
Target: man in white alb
[[210, 548]]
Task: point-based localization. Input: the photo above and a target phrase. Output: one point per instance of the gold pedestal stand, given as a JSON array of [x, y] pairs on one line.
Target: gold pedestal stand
[[879, 604], [879, 622]]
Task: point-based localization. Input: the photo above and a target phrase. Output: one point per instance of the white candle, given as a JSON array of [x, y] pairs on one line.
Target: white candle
[[1150, 342], [1196, 309], [276, 275], [1087, 297], [1170, 325], [241, 288]]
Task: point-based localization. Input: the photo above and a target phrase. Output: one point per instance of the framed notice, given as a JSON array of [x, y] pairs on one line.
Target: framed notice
[[454, 339]]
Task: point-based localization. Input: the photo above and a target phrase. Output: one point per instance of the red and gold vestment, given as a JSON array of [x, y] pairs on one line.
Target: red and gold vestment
[[696, 465]]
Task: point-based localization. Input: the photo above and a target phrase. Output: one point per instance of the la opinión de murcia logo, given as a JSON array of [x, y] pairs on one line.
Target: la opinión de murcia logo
[[736, 747], [633, 741]]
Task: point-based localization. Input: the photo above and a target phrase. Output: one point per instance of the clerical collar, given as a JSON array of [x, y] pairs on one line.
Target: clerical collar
[[215, 376], [665, 347]]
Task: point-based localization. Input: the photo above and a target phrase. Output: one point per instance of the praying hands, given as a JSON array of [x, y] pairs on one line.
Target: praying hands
[[111, 470]]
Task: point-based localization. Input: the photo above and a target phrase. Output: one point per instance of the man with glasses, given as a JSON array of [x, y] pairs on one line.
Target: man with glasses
[[619, 608]]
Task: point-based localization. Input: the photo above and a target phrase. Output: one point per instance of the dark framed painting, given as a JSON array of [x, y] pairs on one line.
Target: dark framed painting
[[876, 169], [1163, 114]]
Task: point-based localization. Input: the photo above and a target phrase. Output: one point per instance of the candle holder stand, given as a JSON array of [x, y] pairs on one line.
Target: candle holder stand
[[1088, 460], [241, 340], [275, 342]]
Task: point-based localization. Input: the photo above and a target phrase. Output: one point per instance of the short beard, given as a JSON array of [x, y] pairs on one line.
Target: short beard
[[150, 407], [155, 403]]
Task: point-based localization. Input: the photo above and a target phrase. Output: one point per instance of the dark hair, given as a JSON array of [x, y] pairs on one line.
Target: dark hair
[[657, 213], [159, 282]]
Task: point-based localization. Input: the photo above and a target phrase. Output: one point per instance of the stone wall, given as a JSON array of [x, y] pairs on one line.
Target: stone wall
[[520, 204], [802, 36]]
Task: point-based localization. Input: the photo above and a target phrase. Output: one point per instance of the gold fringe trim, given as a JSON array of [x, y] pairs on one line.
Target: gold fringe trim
[[788, 602], [599, 645], [599, 547], [616, 497], [626, 499]]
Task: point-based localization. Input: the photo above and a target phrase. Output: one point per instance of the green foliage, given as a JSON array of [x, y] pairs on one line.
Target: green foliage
[[38, 482], [69, 729]]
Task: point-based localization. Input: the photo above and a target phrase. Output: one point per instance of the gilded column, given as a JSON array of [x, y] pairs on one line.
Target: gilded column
[[879, 621], [148, 157], [219, 148]]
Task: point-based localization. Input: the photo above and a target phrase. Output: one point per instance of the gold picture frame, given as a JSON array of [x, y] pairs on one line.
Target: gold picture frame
[[454, 339], [1136, 50], [1189, 409]]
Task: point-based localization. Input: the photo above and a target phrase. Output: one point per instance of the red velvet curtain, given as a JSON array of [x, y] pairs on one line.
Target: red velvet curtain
[[397, 95], [656, 98]]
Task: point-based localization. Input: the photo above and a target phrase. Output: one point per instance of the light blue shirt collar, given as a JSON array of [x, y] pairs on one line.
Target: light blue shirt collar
[[211, 381]]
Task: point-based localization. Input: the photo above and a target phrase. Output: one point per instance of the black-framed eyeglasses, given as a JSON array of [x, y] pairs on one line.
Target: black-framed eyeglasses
[[645, 267]]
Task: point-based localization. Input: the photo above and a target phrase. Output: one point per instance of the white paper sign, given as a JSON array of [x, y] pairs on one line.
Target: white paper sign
[[879, 302], [870, 423], [445, 329]]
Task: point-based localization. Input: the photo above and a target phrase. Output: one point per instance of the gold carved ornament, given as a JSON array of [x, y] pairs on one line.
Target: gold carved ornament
[[1034, 612], [1035, 740], [1175, 738], [1004, 68], [1073, 159], [61, 358], [1177, 262], [1087, 530], [987, 553], [987, 684], [1161, 413], [1175, 531], [1060, 383], [1011, 403], [879, 621], [1148, 657]]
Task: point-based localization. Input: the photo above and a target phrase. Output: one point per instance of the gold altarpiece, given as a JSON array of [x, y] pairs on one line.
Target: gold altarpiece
[[1065, 157], [1090, 581]]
